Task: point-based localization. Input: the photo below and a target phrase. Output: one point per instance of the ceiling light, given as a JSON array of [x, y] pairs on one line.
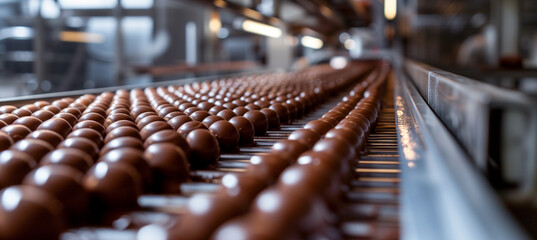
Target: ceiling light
[[261, 29], [312, 42]]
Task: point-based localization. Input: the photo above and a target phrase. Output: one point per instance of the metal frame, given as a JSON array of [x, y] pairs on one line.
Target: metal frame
[[443, 195], [485, 118]]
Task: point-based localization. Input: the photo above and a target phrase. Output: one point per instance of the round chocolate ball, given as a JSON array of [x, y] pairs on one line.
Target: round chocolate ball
[[60, 103], [147, 120], [75, 111], [152, 128], [51, 108], [282, 111], [355, 138], [68, 117], [7, 109], [116, 117], [53, 138], [306, 136], [2, 124], [41, 104], [59, 125], [169, 116], [340, 148], [199, 115], [227, 135], [92, 116], [226, 114], [319, 126], [120, 123], [8, 118], [178, 121], [191, 110], [122, 132], [169, 165], [43, 115], [16, 132], [216, 109], [208, 121], [272, 117], [245, 128], [168, 136], [28, 212], [88, 133], [188, 127], [65, 183], [21, 112], [80, 143], [291, 148], [166, 110], [14, 165], [122, 142], [259, 120], [137, 110], [240, 111], [268, 166], [91, 125], [71, 157], [30, 107], [5, 141], [133, 157], [34, 147], [204, 149], [113, 186]]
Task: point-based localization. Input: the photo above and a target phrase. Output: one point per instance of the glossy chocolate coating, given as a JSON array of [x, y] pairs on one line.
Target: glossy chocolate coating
[[74, 111], [208, 121], [319, 126], [188, 127], [97, 110], [71, 157], [68, 117], [34, 147], [91, 125], [8, 118], [228, 136], [240, 111], [292, 148], [113, 186], [191, 110], [116, 117], [122, 132], [152, 128], [178, 121], [59, 125], [282, 111], [147, 120], [60, 103], [199, 115], [65, 183], [306, 136], [41, 104], [43, 115], [88, 133], [122, 142], [169, 116], [169, 165], [14, 165], [259, 120], [52, 109], [32, 213], [21, 112], [204, 149], [355, 138], [268, 166], [166, 110], [272, 117], [137, 110], [81, 143], [133, 157], [226, 114], [168, 136], [245, 128], [205, 106], [120, 123], [16, 132], [92, 116], [216, 109], [5, 141], [2, 124], [338, 147], [7, 109]]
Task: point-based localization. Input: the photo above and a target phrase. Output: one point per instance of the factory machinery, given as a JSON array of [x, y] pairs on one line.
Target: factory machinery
[[375, 150]]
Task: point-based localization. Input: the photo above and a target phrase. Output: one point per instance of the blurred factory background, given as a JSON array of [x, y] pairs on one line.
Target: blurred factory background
[[59, 45]]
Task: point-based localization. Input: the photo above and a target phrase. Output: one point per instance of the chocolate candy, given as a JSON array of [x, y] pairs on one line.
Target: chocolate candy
[[14, 165], [41, 104], [43, 115], [30, 107], [92, 116], [21, 112], [65, 183], [68, 117], [306, 136], [34, 147], [71, 157], [188, 127], [2, 124], [282, 111], [31, 122], [259, 120], [272, 117], [226, 134], [53, 138], [74, 111], [153, 127], [226, 114], [58, 125], [116, 117], [292, 148], [211, 119], [8, 118], [355, 138], [88, 133], [199, 115], [81, 143], [268, 166], [122, 142], [91, 125], [168, 136], [122, 132], [5, 141], [16, 132], [204, 148], [169, 164], [120, 123], [319, 126], [27, 212], [147, 120], [131, 156], [7, 109], [169, 116], [240, 111], [113, 186], [245, 128], [178, 121], [338, 147]]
